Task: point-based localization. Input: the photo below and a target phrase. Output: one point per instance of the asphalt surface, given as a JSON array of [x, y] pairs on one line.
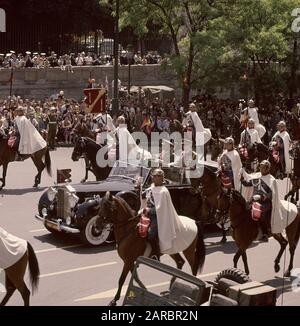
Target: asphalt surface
[[75, 275]]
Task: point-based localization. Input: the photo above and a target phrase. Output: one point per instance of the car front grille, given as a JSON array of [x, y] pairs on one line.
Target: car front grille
[[61, 204]]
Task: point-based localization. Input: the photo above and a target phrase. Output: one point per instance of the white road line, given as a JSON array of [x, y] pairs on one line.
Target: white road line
[[38, 230], [78, 269], [57, 248], [111, 293]]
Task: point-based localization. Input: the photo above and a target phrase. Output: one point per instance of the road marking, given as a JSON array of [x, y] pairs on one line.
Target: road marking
[[38, 230], [58, 248], [78, 269], [111, 293]]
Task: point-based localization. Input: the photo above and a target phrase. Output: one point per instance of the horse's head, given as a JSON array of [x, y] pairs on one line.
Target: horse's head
[[107, 209], [79, 149]]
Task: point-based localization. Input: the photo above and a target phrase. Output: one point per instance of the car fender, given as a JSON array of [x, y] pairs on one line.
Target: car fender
[[43, 202], [86, 210]]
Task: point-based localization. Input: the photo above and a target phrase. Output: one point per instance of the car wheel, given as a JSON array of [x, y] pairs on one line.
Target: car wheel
[[93, 235]]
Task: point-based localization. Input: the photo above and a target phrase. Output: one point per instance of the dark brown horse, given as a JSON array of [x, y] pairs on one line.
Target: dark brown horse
[[7, 155], [245, 230], [79, 131], [209, 186], [86, 147], [295, 175], [14, 277], [294, 123], [130, 245]]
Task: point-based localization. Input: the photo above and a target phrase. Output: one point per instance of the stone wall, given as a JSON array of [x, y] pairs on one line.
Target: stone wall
[[41, 83]]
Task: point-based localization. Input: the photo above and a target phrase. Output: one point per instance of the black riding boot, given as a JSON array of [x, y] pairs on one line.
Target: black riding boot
[[264, 228], [155, 254]]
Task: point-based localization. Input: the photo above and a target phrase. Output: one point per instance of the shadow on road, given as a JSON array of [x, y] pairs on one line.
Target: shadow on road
[[63, 241], [282, 285], [20, 192]]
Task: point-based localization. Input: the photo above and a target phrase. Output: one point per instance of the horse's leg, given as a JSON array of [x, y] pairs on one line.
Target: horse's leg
[[38, 162], [178, 260], [3, 179], [237, 257], [283, 243], [10, 289], [126, 268], [293, 234], [190, 253], [87, 169], [245, 261], [16, 275]]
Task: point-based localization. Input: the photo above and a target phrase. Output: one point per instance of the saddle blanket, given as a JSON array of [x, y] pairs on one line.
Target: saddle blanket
[[12, 249]]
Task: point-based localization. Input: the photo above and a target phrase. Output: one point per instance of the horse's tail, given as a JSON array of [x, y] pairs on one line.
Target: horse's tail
[[48, 162], [34, 269], [200, 252]]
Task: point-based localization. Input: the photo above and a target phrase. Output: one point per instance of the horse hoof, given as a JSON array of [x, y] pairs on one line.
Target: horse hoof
[[224, 240], [83, 181], [277, 268], [287, 274], [35, 185], [112, 303]]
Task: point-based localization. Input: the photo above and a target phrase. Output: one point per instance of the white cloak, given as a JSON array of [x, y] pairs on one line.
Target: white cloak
[[31, 141], [236, 164], [252, 113], [107, 121], [286, 142], [203, 135], [254, 136], [129, 151], [12, 249], [283, 212], [175, 233]]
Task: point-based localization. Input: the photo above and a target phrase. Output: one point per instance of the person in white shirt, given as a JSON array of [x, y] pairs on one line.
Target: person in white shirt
[[252, 112]]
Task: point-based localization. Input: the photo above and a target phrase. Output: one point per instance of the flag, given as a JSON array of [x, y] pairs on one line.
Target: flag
[[95, 100], [64, 176]]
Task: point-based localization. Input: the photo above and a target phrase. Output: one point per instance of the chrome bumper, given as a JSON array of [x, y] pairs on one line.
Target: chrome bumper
[[58, 226]]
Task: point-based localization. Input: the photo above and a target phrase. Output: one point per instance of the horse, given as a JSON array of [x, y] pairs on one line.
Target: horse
[[209, 185], [89, 148], [295, 175], [8, 155], [81, 130], [245, 230], [14, 277], [115, 210], [294, 123]]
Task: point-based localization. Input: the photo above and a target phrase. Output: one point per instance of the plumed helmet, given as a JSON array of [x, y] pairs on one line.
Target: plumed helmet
[[229, 140], [281, 123], [158, 172], [265, 163]]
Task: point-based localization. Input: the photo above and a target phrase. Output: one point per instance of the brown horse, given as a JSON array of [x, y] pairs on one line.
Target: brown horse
[[295, 175], [14, 276], [114, 210], [8, 155], [245, 230], [209, 186], [294, 123], [79, 131]]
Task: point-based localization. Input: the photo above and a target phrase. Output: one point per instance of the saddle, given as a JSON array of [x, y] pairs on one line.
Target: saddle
[[11, 141], [225, 180], [143, 226], [256, 211]]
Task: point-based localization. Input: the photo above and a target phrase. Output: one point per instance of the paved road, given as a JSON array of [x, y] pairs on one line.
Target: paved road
[[76, 275]]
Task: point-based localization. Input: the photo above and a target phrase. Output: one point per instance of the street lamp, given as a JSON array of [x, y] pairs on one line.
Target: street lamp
[[129, 56]]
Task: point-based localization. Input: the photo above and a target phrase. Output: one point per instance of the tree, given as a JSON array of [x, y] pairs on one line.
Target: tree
[[183, 21]]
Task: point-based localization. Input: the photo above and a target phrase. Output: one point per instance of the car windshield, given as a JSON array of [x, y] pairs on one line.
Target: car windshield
[[122, 169]]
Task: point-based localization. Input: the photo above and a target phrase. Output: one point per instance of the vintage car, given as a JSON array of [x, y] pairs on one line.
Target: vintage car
[[73, 208]]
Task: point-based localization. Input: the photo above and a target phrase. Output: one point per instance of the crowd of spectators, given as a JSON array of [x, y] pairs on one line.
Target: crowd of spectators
[[68, 61], [145, 114]]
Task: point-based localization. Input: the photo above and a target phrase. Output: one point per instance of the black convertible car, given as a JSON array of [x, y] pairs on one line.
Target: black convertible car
[[73, 208]]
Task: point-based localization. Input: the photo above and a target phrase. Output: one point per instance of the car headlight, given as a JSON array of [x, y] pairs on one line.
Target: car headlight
[[73, 200], [51, 193], [44, 212], [68, 220]]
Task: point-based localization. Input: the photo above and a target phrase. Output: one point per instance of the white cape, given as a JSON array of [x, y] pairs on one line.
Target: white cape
[[176, 233], [252, 112], [286, 142], [12, 249], [236, 164], [129, 151], [283, 212], [30, 139], [203, 135], [254, 136]]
